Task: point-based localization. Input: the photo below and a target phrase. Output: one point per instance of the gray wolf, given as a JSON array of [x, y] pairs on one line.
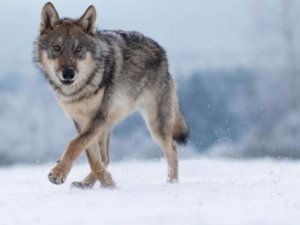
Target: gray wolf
[[99, 78]]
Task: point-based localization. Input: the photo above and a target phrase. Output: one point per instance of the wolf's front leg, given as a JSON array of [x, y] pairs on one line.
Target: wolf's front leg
[[84, 140], [60, 172]]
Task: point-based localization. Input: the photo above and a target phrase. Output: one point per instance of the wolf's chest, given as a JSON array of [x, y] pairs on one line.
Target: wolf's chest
[[83, 110]]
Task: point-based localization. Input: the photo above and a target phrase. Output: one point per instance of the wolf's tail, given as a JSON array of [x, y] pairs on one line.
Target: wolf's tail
[[180, 129]]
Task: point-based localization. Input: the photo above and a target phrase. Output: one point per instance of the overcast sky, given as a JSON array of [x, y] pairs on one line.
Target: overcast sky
[[195, 33]]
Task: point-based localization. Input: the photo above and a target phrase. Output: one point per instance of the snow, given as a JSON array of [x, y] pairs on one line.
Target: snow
[[211, 191]]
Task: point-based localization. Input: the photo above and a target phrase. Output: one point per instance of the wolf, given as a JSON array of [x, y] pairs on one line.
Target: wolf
[[101, 77]]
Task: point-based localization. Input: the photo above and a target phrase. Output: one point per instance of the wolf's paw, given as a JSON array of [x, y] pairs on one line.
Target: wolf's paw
[[58, 174], [172, 181], [81, 185], [57, 177], [107, 182]]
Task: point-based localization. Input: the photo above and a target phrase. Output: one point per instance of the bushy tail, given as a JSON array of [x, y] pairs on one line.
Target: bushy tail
[[180, 129]]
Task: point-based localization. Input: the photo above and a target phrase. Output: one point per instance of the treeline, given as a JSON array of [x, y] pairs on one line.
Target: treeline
[[237, 113]]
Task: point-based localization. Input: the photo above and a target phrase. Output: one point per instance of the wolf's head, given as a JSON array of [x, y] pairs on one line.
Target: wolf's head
[[66, 49]]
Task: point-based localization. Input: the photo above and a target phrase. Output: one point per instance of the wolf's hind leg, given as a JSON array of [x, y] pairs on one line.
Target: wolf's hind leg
[[160, 120], [98, 167], [87, 183], [170, 153]]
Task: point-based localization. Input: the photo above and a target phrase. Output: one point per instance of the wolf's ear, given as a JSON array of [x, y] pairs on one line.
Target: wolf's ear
[[88, 20], [49, 18]]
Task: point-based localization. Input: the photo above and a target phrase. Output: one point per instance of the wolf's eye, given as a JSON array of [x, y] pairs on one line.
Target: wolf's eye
[[78, 49], [57, 48]]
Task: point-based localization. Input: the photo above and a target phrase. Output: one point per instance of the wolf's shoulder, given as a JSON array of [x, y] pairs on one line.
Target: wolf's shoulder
[[133, 34], [130, 38]]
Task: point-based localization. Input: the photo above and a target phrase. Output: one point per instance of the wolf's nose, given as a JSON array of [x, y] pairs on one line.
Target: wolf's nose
[[68, 74]]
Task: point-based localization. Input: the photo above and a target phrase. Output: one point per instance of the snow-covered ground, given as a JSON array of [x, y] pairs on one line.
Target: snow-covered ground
[[210, 192]]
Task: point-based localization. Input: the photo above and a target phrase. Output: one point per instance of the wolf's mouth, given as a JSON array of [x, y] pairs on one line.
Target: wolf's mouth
[[66, 82]]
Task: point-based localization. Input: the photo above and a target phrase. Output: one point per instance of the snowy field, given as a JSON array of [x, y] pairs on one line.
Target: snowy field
[[210, 192]]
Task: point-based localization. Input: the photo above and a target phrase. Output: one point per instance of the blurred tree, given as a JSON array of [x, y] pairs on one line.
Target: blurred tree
[[209, 102], [276, 42], [289, 34]]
